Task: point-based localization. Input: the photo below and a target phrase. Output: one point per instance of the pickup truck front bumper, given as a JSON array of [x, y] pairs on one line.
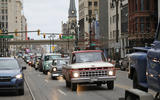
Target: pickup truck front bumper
[[93, 79]]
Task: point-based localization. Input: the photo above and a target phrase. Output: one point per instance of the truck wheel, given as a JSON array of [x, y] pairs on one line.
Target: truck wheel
[[110, 85], [68, 84], [74, 86]]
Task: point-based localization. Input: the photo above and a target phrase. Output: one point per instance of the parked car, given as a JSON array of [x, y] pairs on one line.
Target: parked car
[[47, 60], [89, 67], [11, 76], [56, 67]]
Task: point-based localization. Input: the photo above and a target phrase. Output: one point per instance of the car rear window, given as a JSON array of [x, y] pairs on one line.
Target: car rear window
[[6, 64]]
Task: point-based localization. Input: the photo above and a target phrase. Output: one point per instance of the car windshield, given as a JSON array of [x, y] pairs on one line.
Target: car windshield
[[51, 57], [28, 58], [62, 62], [89, 57], [8, 64]]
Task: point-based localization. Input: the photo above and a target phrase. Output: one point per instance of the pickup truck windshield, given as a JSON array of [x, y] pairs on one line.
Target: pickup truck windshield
[[89, 57]]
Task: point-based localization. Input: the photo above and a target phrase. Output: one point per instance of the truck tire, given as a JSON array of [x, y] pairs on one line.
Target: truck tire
[[74, 86], [68, 84], [110, 85]]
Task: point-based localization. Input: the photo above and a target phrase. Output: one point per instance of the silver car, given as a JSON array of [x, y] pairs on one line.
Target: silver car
[[56, 67]]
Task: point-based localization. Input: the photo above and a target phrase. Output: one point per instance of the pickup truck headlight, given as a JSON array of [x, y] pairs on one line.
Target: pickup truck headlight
[[75, 74], [110, 73], [19, 76], [54, 69]]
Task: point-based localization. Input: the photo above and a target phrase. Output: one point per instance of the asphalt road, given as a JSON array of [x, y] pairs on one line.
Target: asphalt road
[[44, 88]]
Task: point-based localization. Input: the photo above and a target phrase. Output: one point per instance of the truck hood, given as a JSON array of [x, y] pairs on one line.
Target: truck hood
[[90, 65]]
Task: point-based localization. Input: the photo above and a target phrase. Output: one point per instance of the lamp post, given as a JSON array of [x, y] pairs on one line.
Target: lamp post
[[115, 4], [89, 18]]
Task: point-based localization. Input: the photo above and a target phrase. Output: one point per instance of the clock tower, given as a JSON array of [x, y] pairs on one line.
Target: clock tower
[[72, 18]]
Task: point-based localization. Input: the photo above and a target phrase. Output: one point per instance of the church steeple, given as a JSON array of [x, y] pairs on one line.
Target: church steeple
[[72, 9]]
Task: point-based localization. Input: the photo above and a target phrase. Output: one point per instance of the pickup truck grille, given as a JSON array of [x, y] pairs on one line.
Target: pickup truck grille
[[93, 73]]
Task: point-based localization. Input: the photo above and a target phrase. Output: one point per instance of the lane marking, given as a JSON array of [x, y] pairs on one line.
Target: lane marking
[[60, 91], [30, 91]]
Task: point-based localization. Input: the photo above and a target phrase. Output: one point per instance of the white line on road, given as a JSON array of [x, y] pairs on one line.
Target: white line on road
[[60, 91], [33, 97]]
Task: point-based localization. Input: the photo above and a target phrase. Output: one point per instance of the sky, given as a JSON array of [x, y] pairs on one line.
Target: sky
[[46, 15]]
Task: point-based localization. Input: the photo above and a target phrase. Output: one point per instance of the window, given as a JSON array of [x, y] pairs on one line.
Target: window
[[114, 18], [147, 4], [147, 24], [2, 11], [142, 24], [89, 3], [142, 5], [136, 24], [95, 4], [90, 12], [136, 5]]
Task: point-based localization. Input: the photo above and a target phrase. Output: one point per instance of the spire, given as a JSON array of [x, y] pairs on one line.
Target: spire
[[72, 9]]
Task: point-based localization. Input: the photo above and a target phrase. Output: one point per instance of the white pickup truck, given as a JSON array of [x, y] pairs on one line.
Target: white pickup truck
[[89, 67]]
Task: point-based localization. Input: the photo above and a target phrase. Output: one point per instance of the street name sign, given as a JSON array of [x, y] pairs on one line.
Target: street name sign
[[7, 36]]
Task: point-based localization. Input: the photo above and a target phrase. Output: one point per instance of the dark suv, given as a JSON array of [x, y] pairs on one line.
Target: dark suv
[[11, 76]]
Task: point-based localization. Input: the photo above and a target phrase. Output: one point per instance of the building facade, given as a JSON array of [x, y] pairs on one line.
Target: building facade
[[143, 16], [23, 27], [11, 19], [104, 25], [88, 22], [117, 48]]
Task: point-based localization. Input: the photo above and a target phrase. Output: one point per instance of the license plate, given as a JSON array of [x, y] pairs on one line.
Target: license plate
[[55, 74], [94, 79]]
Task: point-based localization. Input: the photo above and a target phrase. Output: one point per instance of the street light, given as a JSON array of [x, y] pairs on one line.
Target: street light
[[89, 18], [115, 3]]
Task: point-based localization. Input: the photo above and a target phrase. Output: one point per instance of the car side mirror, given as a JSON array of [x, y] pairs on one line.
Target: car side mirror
[[24, 68]]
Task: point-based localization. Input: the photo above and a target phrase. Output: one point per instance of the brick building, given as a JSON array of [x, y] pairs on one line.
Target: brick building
[[143, 18]]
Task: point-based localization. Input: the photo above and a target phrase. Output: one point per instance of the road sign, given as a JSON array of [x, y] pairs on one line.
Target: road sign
[[6, 36], [67, 37], [93, 44]]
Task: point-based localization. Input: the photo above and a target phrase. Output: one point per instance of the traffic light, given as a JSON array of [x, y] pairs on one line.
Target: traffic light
[[60, 36], [44, 35], [38, 32], [1, 32], [16, 32]]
